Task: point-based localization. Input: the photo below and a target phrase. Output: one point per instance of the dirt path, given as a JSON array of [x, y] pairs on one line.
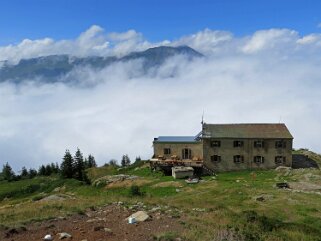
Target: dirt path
[[107, 223]]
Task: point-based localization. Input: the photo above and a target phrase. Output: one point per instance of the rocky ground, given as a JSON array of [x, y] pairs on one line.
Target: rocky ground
[[106, 223]]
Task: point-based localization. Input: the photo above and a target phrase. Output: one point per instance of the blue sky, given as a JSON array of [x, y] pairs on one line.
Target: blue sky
[[158, 20]]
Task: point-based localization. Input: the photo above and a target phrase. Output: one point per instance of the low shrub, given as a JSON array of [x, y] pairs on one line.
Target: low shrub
[[135, 191]]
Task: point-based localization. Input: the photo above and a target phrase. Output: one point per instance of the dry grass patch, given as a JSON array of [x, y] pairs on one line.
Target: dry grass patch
[[169, 184], [128, 183]]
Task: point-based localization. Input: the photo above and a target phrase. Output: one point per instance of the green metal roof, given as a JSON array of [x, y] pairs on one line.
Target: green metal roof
[[264, 131]]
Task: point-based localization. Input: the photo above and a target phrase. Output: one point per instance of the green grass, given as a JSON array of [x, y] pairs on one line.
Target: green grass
[[25, 188], [229, 202], [169, 236]]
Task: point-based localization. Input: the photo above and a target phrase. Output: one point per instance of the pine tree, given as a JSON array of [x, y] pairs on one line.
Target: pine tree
[[57, 168], [7, 172], [113, 162], [125, 161], [49, 170], [54, 168], [42, 170], [32, 173], [67, 165], [91, 161], [138, 159], [79, 165], [86, 163], [24, 172]]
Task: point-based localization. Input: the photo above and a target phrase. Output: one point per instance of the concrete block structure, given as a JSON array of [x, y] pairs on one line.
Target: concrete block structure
[[182, 172]]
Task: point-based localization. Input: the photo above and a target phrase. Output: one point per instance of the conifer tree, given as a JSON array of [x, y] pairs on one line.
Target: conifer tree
[[7, 172], [57, 169], [42, 170], [48, 170], [91, 161], [138, 159], [24, 172], [32, 173], [67, 165], [79, 165], [125, 161], [86, 163], [113, 162]]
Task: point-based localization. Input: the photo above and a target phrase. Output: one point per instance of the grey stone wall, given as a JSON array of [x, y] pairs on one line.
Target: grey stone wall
[[227, 151]]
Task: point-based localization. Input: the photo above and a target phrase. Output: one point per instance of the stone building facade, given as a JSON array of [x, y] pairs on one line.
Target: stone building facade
[[227, 147]]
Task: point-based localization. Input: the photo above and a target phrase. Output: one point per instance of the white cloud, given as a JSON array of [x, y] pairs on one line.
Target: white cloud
[[123, 110], [206, 41], [93, 41], [309, 39], [272, 39], [130, 34]]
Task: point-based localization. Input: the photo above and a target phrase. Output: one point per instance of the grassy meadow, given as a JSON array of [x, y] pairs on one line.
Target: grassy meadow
[[243, 205]]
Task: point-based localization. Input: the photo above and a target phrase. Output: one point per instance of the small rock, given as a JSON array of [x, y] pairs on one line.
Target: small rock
[[139, 216], [199, 209], [48, 237], [64, 235], [108, 230], [155, 209], [91, 220]]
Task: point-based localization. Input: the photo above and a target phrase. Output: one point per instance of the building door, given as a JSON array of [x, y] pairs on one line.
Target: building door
[[186, 153]]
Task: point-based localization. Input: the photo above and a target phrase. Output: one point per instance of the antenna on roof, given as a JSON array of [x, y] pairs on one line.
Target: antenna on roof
[[280, 120], [202, 118]]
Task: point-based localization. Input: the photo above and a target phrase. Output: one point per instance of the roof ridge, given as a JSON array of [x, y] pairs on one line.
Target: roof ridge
[[245, 124]]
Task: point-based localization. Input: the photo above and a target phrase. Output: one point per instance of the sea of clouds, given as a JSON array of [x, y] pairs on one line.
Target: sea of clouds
[[270, 76]]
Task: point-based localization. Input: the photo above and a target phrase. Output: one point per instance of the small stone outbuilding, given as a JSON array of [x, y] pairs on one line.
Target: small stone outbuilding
[[182, 172]]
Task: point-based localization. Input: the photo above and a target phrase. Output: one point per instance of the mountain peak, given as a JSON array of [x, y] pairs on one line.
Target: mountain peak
[[51, 68]]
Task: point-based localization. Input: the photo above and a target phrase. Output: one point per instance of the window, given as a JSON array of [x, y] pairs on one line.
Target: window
[[258, 159], [186, 153], [280, 144], [215, 143], [280, 160], [238, 143], [167, 151], [238, 159], [259, 144], [215, 158]]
